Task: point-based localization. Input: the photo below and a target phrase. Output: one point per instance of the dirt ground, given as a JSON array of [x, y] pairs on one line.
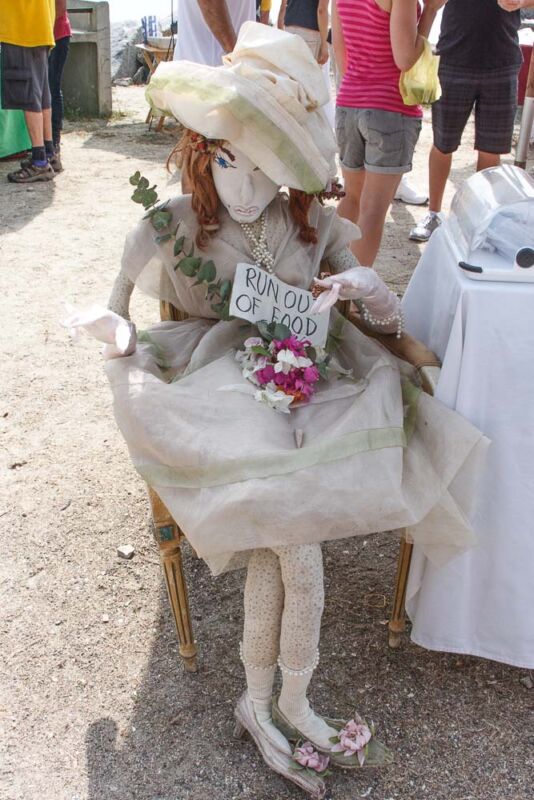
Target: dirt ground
[[95, 703]]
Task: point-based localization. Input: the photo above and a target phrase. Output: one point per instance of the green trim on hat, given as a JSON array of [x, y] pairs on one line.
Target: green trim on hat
[[248, 114]]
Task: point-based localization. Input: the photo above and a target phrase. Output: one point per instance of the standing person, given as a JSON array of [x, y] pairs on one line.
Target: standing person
[[207, 29], [480, 62], [309, 20], [374, 40], [56, 63], [26, 35], [263, 11]]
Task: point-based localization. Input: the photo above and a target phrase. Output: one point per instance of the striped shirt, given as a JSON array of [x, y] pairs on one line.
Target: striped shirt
[[371, 79]]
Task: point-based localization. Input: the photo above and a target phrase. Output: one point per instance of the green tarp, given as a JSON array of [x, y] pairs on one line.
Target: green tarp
[[14, 136]]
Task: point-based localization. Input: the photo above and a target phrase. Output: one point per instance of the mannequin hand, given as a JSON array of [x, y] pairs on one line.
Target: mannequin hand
[[353, 284], [118, 335]]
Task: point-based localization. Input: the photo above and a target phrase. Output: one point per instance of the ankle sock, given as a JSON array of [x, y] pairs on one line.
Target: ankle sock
[[39, 156], [49, 149]]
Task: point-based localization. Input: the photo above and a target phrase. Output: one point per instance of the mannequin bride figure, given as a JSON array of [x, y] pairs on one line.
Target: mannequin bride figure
[[361, 451]]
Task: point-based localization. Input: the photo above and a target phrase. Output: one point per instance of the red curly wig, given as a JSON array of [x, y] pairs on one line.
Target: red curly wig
[[194, 160]]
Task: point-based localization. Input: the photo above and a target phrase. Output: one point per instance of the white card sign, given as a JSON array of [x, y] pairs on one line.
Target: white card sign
[[257, 295]]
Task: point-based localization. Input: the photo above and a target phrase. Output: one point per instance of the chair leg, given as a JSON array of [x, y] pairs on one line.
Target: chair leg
[[397, 623], [169, 537]]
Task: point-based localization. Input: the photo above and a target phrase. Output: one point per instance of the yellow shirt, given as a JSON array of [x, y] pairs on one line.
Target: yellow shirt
[[28, 23], [265, 5]]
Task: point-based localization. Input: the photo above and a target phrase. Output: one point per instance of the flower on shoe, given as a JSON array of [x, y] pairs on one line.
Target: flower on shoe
[[353, 740], [307, 756]]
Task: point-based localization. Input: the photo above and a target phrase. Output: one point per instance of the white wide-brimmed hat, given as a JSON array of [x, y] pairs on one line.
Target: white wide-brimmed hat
[[265, 99]]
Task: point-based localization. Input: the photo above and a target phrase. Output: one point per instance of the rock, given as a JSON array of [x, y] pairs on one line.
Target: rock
[[141, 76], [125, 551], [124, 54], [105, 617], [527, 681]]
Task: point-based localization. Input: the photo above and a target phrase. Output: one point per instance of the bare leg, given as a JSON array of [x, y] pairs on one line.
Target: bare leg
[[377, 195], [439, 167], [349, 206], [34, 122], [487, 160], [47, 124]]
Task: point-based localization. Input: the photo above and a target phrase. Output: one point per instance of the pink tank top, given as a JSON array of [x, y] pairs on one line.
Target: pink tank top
[[371, 79]]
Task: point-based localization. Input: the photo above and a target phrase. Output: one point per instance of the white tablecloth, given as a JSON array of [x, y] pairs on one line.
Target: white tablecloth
[[481, 603]]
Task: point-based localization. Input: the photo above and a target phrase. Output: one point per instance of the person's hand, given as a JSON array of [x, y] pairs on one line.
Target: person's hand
[[511, 5], [322, 58]]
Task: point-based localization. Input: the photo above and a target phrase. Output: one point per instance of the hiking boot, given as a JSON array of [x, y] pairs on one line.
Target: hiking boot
[[55, 163], [407, 193], [424, 230], [30, 173]]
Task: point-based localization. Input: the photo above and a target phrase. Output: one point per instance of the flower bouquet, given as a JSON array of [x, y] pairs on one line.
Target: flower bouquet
[[285, 369]]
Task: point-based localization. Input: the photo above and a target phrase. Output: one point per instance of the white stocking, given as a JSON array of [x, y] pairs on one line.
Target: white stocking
[[302, 576], [264, 601]]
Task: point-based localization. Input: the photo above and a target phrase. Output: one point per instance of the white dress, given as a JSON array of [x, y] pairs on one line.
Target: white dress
[[376, 454], [195, 41]]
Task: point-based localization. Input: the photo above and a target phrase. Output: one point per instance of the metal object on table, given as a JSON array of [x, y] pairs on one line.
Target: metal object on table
[[154, 56]]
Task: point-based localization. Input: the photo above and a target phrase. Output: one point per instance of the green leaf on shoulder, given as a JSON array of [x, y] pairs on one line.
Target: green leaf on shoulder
[[161, 219], [163, 239], [207, 272], [281, 331], [179, 245], [225, 289], [189, 266]]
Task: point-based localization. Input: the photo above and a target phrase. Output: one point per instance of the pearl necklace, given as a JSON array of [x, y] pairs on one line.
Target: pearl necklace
[[255, 233]]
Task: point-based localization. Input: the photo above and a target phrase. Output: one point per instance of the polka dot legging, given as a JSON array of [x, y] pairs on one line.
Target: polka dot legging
[[284, 598]]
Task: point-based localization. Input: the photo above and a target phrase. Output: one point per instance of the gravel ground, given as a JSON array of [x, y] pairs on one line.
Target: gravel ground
[[94, 703]]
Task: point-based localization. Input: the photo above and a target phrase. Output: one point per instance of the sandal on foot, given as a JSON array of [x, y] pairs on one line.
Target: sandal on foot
[[274, 758], [30, 173], [377, 754]]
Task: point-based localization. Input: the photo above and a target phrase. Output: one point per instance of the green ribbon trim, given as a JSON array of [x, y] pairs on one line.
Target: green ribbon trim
[[143, 337], [281, 463], [249, 115], [410, 398]]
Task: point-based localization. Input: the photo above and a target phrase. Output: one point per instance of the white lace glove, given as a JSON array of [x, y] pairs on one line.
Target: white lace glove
[[119, 335], [379, 306]]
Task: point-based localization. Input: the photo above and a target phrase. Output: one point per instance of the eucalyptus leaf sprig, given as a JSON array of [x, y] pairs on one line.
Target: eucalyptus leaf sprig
[[193, 266]]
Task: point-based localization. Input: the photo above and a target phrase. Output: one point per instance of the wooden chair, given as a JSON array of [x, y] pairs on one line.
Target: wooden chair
[[170, 537]]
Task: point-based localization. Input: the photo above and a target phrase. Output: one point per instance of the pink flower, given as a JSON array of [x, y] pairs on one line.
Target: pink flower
[[307, 756], [353, 739], [266, 374], [311, 374]]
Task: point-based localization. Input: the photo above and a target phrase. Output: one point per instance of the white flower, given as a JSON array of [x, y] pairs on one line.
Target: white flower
[[273, 398], [254, 341], [287, 360]]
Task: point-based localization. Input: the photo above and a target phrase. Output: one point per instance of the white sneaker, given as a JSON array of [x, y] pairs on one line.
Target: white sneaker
[[407, 193], [424, 230]]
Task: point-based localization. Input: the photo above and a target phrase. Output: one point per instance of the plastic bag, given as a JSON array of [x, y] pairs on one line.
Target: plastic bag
[[420, 84]]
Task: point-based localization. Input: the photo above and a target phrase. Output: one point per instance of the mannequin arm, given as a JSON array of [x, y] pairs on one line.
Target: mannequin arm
[[378, 305], [119, 300]]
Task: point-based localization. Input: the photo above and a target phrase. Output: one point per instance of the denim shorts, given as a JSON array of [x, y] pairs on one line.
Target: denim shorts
[[376, 140]]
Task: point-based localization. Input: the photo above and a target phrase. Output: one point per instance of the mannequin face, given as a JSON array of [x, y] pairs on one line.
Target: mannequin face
[[243, 188]]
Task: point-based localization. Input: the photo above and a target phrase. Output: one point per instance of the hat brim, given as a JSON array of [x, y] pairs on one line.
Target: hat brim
[[220, 103]]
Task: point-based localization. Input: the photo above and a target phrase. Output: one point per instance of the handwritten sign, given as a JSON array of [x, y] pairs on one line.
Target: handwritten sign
[[257, 295]]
